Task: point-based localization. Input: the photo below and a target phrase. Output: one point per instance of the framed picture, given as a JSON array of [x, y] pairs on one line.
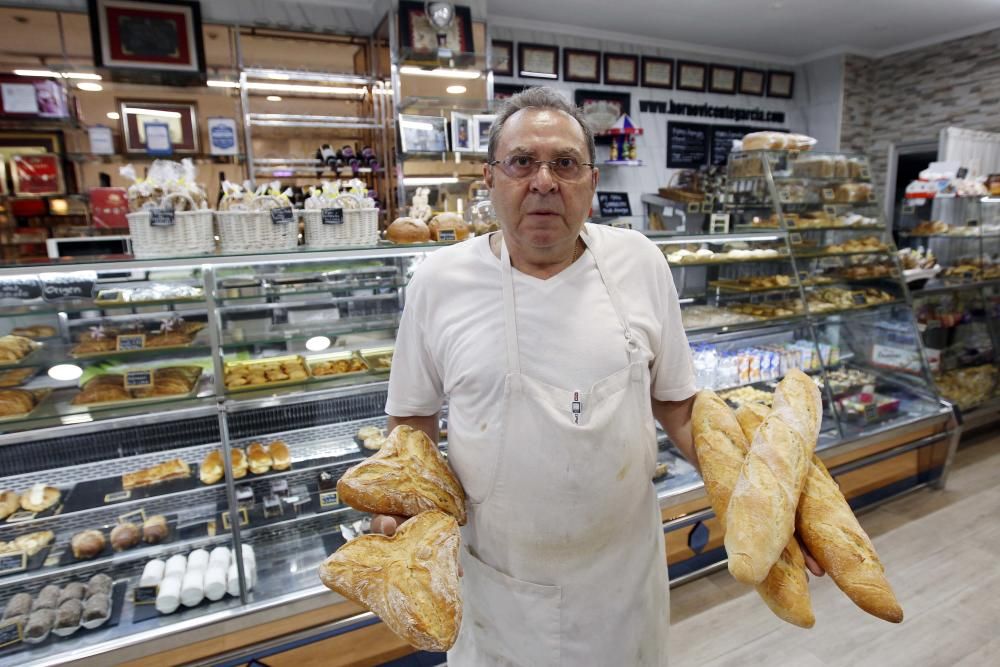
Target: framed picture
[[722, 79], [657, 72], [462, 140], [37, 174], [148, 35], [481, 124], [179, 117], [780, 84], [691, 76], [423, 134], [601, 109], [537, 61], [751, 81], [582, 65], [503, 57], [621, 69], [503, 91], [416, 32]]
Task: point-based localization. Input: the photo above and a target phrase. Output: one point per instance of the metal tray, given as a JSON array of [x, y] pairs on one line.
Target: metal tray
[[259, 362], [143, 401], [371, 354], [23, 361], [335, 356], [40, 396], [6, 383]]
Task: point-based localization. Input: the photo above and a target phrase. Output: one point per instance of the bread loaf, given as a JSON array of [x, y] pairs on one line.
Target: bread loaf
[[722, 447], [409, 580], [406, 477], [408, 230], [760, 518], [445, 222]]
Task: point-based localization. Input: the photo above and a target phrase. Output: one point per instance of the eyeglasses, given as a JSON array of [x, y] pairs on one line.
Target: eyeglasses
[[523, 166]]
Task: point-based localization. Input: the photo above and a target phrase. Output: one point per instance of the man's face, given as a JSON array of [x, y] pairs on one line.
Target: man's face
[[541, 211]]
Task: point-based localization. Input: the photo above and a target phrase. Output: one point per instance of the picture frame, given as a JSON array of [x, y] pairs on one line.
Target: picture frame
[[722, 79], [423, 134], [418, 34], [503, 57], [180, 117], [621, 69], [780, 84], [581, 65], [601, 109], [462, 140], [537, 61], [481, 124], [503, 91], [37, 174], [151, 36], [752, 81], [691, 76], [657, 72]]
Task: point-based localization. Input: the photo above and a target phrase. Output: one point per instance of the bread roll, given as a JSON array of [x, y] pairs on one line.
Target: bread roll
[[99, 584], [39, 498], [750, 415], [722, 447], [212, 469], [238, 458], [760, 518], [408, 230], [406, 477], [87, 544], [10, 502], [280, 457], [155, 529], [409, 580], [448, 221], [260, 460], [125, 536]]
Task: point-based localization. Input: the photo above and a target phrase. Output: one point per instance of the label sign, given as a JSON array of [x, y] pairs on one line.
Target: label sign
[[139, 378], [145, 594], [20, 288], [11, 633], [446, 235], [282, 216], [18, 517], [860, 300], [332, 216], [117, 496], [77, 285], [828, 194], [161, 217], [871, 412], [130, 342], [244, 518], [13, 562], [222, 136], [614, 204], [138, 516], [329, 499], [687, 145]]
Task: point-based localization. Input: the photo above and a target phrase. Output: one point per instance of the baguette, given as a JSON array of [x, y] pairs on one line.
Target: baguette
[[825, 523], [722, 448], [760, 518]]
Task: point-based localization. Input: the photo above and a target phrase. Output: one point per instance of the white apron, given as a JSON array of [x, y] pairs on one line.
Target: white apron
[[563, 552]]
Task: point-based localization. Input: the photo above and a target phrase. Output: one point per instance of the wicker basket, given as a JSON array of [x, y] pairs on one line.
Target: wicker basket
[[253, 231], [359, 228], [191, 233]]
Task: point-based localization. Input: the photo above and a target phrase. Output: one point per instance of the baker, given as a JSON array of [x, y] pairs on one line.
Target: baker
[[556, 344]]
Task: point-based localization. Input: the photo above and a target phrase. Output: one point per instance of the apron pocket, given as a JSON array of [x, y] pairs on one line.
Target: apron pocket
[[507, 621]]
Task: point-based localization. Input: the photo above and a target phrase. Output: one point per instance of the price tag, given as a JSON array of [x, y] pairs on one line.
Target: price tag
[[11, 633], [830, 210], [20, 288], [139, 378], [968, 276], [130, 342], [791, 222], [117, 496], [706, 207], [111, 296], [446, 235], [329, 499], [871, 412], [828, 194], [138, 516], [244, 518], [282, 216], [694, 207], [145, 594], [908, 210], [13, 562], [161, 217], [859, 299], [795, 238], [332, 216], [19, 517]]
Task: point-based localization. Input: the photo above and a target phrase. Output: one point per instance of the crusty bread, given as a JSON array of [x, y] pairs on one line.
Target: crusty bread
[[260, 459], [409, 580], [722, 447], [211, 470], [406, 477], [408, 230], [448, 221], [761, 514], [750, 415]]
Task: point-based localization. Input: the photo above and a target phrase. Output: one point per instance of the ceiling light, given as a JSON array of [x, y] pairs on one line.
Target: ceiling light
[[441, 72], [541, 75], [81, 75], [114, 115], [289, 87], [87, 85], [152, 112], [456, 90], [222, 84], [278, 76], [317, 343], [273, 98], [429, 180], [58, 75], [65, 372]]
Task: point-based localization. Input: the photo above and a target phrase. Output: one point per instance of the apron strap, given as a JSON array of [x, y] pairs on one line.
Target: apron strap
[[632, 348], [509, 323]]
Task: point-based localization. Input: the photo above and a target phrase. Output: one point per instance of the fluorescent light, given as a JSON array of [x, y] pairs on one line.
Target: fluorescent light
[[114, 115], [428, 180], [317, 343], [441, 72], [81, 75], [222, 84], [58, 75], [383, 91], [273, 98], [92, 87], [456, 90], [289, 87], [541, 75], [278, 76], [152, 112], [416, 125], [65, 372]]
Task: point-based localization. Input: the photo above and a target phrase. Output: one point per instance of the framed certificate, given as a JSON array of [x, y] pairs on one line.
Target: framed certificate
[[722, 79], [537, 61], [621, 69], [780, 84], [38, 174], [462, 140], [751, 81], [481, 124], [503, 57], [691, 76], [657, 72], [582, 65]]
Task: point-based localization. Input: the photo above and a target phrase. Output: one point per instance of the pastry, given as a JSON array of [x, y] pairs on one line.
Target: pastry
[[102, 392], [36, 331], [125, 536], [238, 459], [448, 227], [366, 432], [161, 472], [212, 469], [408, 230], [87, 544], [13, 377], [374, 443], [280, 456], [69, 614], [39, 498], [14, 402], [39, 624], [72, 591], [10, 502], [154, 529], [260, 460], [97, 607], [15, 348], [32, 543], [406, 477], [722, 448], [18, 605], [409, 580], [152, 573], [47, 598], [338, 367], [99, 584]]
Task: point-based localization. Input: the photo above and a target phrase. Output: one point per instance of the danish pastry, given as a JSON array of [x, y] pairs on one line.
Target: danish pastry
[[39, 498]]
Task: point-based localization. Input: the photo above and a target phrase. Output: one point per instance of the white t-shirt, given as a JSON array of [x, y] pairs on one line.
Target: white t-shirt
[[451, 336]]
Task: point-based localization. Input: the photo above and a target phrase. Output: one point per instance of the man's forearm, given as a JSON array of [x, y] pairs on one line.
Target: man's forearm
[[429, 424], [675, 418]]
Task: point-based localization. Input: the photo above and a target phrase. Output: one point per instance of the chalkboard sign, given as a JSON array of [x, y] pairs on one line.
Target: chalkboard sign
[[138, 378], [722, 137], [687, 145], [614, 204], [130, 342], [161, 217], [282, 216], [20, 288], [78, 285], [11, 633], [332, 216], [13, 562], [117, 496], [145, 594], [138, 516], [328, 499], [23, 515]]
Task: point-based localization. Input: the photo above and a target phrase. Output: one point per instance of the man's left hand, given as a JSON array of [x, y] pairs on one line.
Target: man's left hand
[[811, 563]]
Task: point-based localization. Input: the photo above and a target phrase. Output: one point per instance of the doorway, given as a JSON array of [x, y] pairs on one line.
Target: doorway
[[906, 161]]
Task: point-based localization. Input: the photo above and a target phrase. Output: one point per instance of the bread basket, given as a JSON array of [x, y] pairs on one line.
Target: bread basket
[[255, 231], [190, 233], [354, 226]]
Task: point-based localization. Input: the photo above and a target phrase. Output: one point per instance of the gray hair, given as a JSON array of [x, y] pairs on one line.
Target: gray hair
[[538, 98]]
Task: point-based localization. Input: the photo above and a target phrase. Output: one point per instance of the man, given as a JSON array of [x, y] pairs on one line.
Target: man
[[556, 344]]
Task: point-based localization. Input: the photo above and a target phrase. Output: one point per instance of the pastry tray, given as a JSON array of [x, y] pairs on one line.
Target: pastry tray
[[117, 353], [269, 360], [334, 356], [67, 557], [143, 401], [23, 361], [40, 396], [734, 286], [7, 384], [370, 354], [56, 508]]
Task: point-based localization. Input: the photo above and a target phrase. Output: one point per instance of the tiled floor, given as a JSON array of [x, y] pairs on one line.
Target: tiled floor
[[940, 550]]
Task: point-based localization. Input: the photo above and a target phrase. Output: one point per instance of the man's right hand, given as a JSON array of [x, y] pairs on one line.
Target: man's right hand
[[386, 524]]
